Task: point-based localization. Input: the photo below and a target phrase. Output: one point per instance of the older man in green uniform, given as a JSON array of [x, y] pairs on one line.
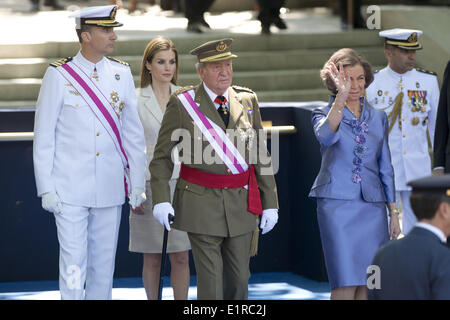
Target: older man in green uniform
[[217, 202]]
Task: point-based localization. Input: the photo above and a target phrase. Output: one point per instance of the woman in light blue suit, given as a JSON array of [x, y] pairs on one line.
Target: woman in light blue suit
[[356, 179]]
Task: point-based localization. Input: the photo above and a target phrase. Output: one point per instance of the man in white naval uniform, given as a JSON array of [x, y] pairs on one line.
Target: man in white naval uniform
[[410, 98], [79, 169]]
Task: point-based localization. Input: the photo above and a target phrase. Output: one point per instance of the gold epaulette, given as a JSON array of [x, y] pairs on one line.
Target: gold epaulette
[[119, 61], [426, 71], [176, 92], [61, 61], [239, 88]]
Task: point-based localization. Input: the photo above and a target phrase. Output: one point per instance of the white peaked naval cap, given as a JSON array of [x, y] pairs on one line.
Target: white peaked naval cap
[[100, 16], [402, 38]]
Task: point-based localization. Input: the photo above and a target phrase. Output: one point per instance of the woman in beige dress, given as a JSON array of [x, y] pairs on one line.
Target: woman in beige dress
[[159, 73]]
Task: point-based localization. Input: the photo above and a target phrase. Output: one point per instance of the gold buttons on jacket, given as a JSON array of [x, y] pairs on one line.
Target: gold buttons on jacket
[[97, 134], [404, 135], [97, 154], [404, 152]]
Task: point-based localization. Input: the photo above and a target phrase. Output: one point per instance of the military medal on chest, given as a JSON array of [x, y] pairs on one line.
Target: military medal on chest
[[417, 100], [422, 100], [95, 74], [400, 85], [115, 99]]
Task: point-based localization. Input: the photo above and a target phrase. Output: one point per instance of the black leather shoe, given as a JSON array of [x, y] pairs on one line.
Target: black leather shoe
[[204, 23], [35, 7], [280, 24], [194, 27], [54, 4], [265, 28]]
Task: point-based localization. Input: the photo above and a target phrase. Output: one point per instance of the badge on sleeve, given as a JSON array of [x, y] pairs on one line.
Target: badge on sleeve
[[117, 76]]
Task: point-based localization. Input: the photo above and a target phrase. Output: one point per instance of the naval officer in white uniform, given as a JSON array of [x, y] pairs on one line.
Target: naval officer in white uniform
[[80, 169], [410, 97]]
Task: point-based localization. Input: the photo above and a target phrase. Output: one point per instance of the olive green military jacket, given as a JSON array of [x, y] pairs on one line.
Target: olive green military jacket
[[217, 212]]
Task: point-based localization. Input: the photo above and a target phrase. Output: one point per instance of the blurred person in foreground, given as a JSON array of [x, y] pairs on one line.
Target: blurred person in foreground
[[416, 267]]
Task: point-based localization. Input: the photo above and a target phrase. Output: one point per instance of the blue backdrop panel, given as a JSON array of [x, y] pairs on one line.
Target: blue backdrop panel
[[28, 242]]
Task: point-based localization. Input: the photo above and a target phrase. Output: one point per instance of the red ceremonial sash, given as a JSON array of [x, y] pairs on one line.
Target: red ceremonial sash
[[224, 181]]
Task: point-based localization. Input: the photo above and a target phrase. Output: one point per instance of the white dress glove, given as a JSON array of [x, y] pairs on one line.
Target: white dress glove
[[161, 213], [51, 202], [137, 197], [268, 220]]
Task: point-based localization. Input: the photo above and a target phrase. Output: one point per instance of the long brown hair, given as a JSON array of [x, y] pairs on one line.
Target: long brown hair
[[153, 47]]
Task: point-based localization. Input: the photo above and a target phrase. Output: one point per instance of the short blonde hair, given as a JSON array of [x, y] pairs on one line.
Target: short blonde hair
[[348, 57], [153, 47]]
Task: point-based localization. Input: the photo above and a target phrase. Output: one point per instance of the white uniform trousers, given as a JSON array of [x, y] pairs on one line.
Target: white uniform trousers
[[88, 242], [408, 217]]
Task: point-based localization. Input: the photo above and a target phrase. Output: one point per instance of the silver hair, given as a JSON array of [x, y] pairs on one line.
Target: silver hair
[[199, 65]]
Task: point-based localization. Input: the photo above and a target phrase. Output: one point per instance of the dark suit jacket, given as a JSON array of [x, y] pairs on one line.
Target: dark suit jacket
[[416, 267], [441, 157]]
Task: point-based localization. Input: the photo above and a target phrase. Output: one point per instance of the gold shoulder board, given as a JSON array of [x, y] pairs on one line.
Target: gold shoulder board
[[239, 88], [182, 90], [61, 61], [426, 71], [119, 61]]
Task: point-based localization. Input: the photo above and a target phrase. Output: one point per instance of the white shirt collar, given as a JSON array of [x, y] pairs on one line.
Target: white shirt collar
[[88, 64], [438, 232], [213, 96]]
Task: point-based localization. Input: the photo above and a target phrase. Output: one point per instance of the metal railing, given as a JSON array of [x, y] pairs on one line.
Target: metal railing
[[29, 136]]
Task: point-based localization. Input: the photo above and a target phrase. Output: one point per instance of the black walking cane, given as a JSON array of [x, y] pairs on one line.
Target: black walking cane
[[163, 258]]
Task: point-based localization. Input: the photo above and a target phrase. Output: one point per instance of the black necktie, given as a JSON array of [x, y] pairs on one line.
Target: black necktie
[[224, 114]]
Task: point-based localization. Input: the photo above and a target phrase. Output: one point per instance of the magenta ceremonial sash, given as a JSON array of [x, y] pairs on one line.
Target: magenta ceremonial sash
[[224, 148], [98, 103]]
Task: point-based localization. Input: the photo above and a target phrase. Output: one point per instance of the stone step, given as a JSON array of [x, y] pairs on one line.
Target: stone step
[[28, 88], [247, 61], [263, 96], [242, 43]]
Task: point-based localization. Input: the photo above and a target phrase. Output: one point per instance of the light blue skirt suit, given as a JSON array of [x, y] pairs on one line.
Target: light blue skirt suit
[[355, 181]]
